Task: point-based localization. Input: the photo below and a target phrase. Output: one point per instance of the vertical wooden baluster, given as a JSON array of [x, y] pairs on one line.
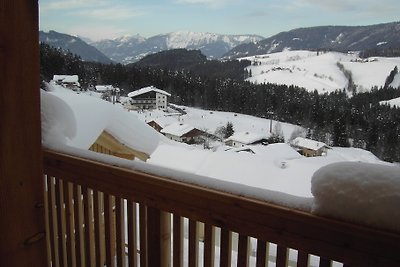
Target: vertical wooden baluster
[[108, 222], [120, 233], [281, 256], [88, 226], [47, 221], [143, 235], [243, 251], [261, 260], [97, 228], [70, 244], [52, 220], [193, 243], [165, 238], [60, 223], [178, 241], [226, 248], [132, 234], [302, 259], [78, 221], [209, 245]]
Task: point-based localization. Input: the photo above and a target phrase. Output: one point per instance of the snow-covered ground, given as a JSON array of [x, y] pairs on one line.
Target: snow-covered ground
[[319, 71], [274, 173], [395, 102]]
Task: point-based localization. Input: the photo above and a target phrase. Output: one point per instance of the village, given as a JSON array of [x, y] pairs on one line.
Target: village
[[152, 106]]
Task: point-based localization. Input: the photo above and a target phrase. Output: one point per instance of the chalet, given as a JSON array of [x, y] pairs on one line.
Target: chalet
[[67, 81], [308, 147], [48, 197], [160, 123], [242, 139], [148, 98], [182, 133], [106, 88]]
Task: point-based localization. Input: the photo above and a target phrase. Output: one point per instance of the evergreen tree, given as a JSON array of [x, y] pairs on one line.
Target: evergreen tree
[[229, 131], [390, 78], [277, 134], [340, 136]]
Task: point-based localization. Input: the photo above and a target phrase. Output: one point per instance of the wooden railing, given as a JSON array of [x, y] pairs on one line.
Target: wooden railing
[[100, 215]]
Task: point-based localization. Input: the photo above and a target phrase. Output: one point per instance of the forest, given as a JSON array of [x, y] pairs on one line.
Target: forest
[[335, 118]]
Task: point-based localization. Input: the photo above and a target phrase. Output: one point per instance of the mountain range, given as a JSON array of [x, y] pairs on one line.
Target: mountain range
[[130, 49], [73, 44], [336, 38]]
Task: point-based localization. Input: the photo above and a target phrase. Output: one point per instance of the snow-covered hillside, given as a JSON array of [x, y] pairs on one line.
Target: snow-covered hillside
[[320, 71]]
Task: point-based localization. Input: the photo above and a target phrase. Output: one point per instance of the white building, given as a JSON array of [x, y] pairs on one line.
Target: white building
[[245, 138], [148, 98], [308, 147], [67, 81], [182, 133]]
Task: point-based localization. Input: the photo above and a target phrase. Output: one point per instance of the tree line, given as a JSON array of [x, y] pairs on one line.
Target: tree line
[[334, 118]]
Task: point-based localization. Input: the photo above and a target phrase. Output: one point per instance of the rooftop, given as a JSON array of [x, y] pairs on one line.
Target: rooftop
[[246, 137], [146, 90]]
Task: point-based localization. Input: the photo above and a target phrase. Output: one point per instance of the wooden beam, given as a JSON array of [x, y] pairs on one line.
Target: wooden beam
[[22, 227]]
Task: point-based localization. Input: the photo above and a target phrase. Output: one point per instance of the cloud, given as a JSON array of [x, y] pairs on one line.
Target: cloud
[[93, 9], [48, 5], [257, 14], [96, 33], [207, 3], [111, 13]]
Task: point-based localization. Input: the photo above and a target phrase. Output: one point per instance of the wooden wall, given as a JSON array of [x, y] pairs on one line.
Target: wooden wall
[[22, 241]]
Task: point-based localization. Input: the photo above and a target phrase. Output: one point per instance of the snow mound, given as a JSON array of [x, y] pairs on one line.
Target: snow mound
[[58, 121], [358, 192], [77, 120]]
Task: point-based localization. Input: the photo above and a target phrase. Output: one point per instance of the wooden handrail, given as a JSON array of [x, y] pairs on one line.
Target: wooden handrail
[[331, 239]]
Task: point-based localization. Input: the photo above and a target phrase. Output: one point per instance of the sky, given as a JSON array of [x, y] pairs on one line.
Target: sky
[[107, 19]]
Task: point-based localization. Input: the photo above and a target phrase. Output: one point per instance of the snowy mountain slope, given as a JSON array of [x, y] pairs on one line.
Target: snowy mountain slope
[[74, 45], [338, 38], [320, 71], [130, 49]]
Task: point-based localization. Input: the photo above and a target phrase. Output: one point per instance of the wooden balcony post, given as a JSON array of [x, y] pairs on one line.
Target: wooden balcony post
[[22, 227]]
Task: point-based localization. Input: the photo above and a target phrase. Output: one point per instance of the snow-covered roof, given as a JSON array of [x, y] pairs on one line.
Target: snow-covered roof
[[90, 116], [246, 137], [164, 121], [146, 90], [177, 129], [104, 88], [308, 143], [66, 78]]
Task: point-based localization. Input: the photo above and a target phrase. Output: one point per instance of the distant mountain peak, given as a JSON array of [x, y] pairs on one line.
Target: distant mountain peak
[[128, 49]]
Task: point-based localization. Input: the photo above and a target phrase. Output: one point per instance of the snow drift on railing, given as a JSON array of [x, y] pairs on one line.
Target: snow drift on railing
[[358, 192]]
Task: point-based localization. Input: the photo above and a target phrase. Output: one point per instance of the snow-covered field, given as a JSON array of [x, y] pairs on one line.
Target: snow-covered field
[[319, 71]]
